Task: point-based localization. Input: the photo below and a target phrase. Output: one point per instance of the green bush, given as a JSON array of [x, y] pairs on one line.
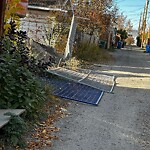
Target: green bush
[[15, 44], [19, 85], [13, 132]]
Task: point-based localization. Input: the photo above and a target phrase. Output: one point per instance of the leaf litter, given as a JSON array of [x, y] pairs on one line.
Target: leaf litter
[[43, 133]]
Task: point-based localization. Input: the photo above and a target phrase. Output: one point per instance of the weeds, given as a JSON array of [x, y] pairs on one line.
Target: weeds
[[73, 63], [92, 53]]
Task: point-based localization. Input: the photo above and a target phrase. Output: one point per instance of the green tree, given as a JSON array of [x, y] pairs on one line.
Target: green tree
[[123, 34]]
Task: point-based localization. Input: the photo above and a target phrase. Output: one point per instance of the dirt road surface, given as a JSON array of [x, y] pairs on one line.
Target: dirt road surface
[[121, 121]]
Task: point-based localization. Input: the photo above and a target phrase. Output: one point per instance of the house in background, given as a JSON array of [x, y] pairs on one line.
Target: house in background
[[46, 3], [134, 34], [43, 27]]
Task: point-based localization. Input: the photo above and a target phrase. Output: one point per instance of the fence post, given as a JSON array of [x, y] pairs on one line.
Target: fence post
[[71, 37]]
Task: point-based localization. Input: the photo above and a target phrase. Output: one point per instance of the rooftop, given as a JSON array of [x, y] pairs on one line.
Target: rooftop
[[46, 3]]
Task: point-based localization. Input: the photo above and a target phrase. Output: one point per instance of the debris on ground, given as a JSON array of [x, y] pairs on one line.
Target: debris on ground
[[43, 133]]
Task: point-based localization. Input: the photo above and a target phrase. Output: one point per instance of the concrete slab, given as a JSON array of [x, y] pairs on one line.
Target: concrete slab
[[5, 119]]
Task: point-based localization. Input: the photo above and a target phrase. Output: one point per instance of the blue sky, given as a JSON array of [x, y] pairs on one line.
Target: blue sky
[[132, 9]]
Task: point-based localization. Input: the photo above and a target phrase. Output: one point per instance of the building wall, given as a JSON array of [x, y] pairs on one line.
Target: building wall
[[37, 26], [45, 3]]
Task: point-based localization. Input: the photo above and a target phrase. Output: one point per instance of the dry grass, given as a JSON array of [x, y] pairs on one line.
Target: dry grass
[[93, 54], [73, 63]]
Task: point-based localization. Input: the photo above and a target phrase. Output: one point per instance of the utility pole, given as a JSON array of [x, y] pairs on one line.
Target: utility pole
[[148, 42], [144, 23], [139, 28], [2, 12]]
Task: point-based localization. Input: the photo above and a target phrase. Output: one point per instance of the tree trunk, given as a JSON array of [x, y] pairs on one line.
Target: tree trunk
[[90, 38], [82, 36], [78, 38], [91, 35], [94, 40], [109, 38], [2, 12]]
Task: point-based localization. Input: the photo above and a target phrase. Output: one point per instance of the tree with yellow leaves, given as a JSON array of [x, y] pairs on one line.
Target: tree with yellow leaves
[[130, 40], [95, 16], [11, 14]]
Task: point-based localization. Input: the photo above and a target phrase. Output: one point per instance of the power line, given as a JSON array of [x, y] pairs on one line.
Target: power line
[[132, 5], [135, 14], [136, 9], [121, 1]]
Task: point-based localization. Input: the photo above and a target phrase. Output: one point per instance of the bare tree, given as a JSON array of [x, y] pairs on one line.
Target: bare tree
[[121, 21], [95, 16]]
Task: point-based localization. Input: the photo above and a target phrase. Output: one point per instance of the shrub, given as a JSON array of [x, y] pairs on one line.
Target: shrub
[[19, 85], [130, 40], [13, 132], [73, 63], [14, 43], [92, 53]]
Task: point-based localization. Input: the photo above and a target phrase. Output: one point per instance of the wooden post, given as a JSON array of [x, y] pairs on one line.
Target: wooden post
[[148, 40], [139, 28], [2, 12], [109, 37], [144, 23]]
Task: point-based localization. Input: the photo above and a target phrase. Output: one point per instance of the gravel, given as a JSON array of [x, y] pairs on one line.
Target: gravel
[[121, 121]]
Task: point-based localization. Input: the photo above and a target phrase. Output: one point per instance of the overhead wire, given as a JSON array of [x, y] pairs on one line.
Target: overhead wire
[[135, 14], [136, 9], [120, 1], [130, 14], [132, 5]]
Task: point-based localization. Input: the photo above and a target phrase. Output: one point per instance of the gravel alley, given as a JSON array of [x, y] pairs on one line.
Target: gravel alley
[[121, 121]]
